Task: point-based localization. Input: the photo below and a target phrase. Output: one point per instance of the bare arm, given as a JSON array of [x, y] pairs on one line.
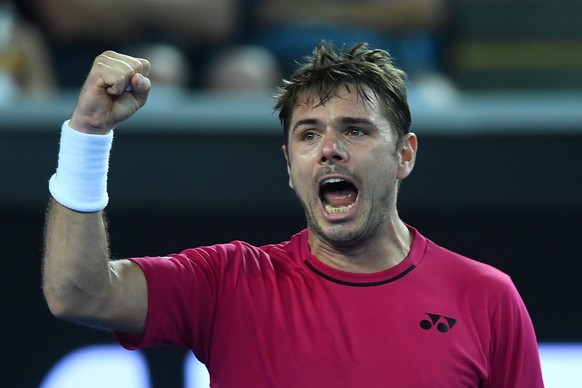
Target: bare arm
[[80, 282]]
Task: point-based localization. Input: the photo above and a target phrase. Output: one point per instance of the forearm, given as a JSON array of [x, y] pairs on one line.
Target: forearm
[[80, 281], [76, 274]]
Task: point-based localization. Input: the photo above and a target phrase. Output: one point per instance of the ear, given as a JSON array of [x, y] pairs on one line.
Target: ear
[[407, 155], [286, 153]]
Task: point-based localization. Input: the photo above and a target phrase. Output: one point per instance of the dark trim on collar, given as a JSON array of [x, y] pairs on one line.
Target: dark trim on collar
[[356, 284]]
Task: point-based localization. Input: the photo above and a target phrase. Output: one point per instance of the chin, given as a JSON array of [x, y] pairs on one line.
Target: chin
[[338, 235]]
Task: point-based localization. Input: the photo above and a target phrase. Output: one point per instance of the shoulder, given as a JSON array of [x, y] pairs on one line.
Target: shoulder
[[464, 276], [479, 289], [453, 263], [221, 256]]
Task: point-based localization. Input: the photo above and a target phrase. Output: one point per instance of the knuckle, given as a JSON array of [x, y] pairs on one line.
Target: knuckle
[[120, 78], [109, 53], [104, 56]]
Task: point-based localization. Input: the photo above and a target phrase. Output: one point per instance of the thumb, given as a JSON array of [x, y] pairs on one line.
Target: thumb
[[140, 87]]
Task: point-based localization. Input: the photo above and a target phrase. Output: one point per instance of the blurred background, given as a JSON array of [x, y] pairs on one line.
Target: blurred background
[[496, 98]]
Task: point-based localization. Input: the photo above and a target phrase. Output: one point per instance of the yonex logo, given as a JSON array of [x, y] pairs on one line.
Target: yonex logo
[[445, 324]]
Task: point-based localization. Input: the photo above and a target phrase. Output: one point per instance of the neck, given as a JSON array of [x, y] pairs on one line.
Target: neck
[[372, 255]]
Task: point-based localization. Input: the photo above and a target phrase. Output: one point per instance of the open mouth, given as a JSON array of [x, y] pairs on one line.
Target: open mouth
[[337, 195]]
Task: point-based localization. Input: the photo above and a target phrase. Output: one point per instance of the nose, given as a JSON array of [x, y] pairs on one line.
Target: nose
[[332, 149]]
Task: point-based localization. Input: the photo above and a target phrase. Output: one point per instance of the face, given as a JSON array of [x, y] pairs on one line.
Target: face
[[344, 164]]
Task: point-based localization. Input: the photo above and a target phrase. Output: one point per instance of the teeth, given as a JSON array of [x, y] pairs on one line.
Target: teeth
[[333, 180], [335, 210]]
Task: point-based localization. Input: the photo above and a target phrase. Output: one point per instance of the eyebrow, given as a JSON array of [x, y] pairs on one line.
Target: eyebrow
[[343, 120], [305, 122], [356, 120]]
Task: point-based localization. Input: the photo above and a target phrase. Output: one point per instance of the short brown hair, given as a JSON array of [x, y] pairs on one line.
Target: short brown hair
[[327, 69]]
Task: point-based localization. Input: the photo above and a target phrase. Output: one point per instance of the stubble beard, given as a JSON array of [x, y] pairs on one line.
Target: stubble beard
[[350, 233]]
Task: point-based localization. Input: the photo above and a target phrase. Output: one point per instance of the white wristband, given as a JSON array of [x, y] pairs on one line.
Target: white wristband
[[80, 182]]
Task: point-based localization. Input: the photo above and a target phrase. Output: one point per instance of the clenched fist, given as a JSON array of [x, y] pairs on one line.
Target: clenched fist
[[116, 87]]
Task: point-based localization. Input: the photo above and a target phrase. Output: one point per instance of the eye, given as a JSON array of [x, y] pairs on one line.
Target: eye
[[355, 132], [308, 136]]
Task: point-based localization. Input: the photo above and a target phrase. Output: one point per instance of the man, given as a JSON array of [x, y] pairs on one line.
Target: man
[[358, 299]]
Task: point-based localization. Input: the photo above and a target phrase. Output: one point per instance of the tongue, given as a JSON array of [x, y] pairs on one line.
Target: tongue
[[339, 198]]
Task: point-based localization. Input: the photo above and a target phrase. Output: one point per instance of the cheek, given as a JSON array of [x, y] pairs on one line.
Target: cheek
[[382, 171], [299, 177], [299, 164]]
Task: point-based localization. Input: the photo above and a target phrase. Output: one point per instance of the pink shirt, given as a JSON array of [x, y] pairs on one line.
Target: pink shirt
[[275, 316]]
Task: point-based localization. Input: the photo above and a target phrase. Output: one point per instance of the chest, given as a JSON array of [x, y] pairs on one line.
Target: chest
[[317, 333]]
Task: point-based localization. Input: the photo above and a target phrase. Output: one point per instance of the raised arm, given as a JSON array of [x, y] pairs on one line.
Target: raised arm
[[80, 281]]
